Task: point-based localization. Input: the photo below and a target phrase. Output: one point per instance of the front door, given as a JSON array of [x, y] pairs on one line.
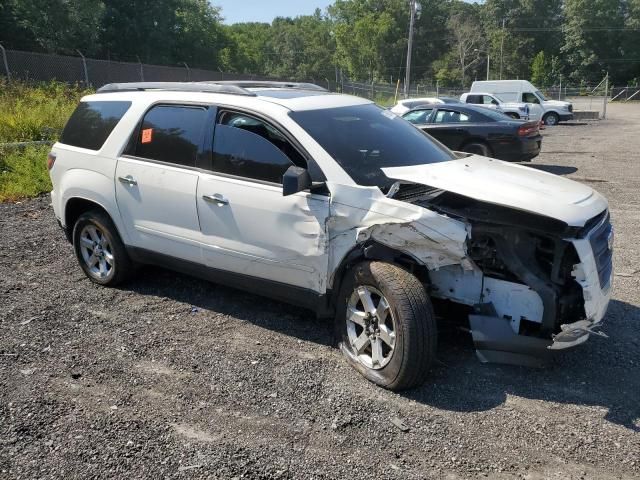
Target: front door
[[248, 226], [156, 181]]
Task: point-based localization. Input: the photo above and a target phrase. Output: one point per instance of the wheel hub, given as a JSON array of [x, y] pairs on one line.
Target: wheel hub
[[370, 327], [96, 252]]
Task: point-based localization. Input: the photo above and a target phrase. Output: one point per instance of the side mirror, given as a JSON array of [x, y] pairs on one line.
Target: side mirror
[[294, 180]]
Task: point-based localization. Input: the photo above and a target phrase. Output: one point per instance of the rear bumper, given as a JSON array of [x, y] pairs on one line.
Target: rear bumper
[[520, 150]]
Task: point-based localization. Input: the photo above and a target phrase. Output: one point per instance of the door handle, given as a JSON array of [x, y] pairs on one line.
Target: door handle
[[216, 198], [129, 180]]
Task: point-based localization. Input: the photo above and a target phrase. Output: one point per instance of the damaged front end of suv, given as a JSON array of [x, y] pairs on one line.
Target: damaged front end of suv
[[529, 253], [541, 264]]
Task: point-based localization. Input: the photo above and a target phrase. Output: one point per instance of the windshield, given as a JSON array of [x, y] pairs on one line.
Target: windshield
[[542, 97], [365, 138]]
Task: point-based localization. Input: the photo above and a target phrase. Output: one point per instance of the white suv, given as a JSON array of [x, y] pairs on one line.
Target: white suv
[[333, 203]]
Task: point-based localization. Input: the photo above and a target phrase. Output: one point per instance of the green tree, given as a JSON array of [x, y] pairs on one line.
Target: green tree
[[51, 25], [539, 70], [301, 48], [247, 49], [370, 36], [530, 26], [163, 31], [593, 39]]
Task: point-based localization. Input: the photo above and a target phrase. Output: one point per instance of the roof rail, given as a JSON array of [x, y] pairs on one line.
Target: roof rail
[[271, 84], [209, 87]]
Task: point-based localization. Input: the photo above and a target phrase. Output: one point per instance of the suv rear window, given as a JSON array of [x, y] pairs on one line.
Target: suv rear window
[[92, 122]]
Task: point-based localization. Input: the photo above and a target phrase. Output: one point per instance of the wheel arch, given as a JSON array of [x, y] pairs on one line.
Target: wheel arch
[[76, 206], [483, 141], [373, 250]]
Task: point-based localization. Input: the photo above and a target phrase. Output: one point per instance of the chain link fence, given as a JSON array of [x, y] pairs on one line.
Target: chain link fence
[[32, 66]]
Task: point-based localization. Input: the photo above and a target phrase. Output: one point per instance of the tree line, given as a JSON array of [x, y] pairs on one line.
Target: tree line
[[547, 41]]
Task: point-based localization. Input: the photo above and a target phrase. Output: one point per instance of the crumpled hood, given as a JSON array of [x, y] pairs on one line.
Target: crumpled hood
[[509, 185]]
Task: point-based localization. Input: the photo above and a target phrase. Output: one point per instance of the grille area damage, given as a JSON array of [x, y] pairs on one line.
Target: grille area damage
[[528, 278]]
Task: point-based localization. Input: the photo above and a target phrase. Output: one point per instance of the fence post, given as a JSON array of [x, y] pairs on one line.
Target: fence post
[[141, 68], [6, 64], [560, 89], [188, 71], [84, 68], [606, 94]]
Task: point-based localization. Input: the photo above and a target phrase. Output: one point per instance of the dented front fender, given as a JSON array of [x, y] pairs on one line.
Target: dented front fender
[[359, 214]]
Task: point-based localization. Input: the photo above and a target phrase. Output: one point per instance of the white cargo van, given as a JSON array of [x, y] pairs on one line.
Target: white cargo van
[[552, 111]]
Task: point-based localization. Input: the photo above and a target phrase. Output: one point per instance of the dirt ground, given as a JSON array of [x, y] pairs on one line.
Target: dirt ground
[[172, 377]]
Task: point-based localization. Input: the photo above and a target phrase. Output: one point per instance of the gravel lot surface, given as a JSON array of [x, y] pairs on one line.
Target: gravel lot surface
[[172, 377]]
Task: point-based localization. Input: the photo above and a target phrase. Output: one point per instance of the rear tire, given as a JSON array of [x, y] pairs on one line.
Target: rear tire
[[551, 118], [513, 115], [477, 148], [395, 346], [99, 249]]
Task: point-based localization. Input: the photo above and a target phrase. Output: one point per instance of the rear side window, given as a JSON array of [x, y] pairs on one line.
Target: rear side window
[[244, 146], [448, 116], [92, 122], [473, 99], [172, 134]]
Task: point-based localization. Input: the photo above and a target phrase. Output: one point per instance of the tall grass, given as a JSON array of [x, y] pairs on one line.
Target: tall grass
[[23, 172], [31, 112]]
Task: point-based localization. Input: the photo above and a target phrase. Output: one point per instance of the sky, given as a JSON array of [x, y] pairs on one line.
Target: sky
[[235, 11]]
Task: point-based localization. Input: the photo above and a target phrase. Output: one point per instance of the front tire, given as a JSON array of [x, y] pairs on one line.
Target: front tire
[[513, 115], [385, 325], [551, 118], [99, 249]]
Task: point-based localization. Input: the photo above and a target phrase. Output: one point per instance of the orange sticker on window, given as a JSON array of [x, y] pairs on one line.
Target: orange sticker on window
[[147, 133]]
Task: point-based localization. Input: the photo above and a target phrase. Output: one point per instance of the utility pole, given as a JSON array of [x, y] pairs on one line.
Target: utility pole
[[501, 48], [407, 78]]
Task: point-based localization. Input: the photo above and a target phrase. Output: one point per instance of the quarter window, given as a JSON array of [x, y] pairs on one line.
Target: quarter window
[[92, 122], [244, 146], [448, 116], [172, 133]]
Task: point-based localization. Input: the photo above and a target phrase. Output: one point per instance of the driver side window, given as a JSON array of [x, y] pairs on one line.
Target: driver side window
[[529, 98], [487, 100], [245, 146]]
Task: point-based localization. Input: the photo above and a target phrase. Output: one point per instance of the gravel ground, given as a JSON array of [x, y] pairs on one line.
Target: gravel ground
[[171, 377]]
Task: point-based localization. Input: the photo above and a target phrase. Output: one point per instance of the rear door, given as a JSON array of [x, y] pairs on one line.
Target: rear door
[[449, 127], [156, 181], [248, 226]]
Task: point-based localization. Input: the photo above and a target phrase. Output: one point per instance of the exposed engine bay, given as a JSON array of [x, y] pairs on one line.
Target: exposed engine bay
[[524, 287]]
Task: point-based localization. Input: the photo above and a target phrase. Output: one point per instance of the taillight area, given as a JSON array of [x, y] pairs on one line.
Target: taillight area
[[528, 130], [51, 160]]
